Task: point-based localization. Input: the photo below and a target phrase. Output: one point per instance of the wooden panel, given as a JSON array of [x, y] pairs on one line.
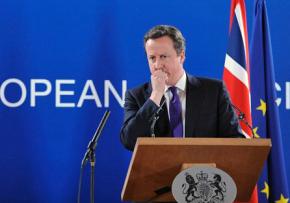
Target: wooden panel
[[156, 161]]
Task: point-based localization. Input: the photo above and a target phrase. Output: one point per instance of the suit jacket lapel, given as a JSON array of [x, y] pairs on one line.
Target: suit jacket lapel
[[193, 101]]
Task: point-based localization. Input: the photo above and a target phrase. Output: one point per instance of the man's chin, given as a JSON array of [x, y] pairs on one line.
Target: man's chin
[[169, 83]]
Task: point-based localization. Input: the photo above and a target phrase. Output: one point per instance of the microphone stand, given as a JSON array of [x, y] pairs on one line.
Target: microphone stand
[[242, 117], [90, 155], [155, 119]]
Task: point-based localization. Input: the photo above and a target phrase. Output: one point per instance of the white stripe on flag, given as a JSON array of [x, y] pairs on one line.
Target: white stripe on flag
[[239, 16], [237, 70], [247, 136]]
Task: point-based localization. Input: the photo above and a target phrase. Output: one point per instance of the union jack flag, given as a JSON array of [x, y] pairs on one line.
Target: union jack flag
[[237, 69]]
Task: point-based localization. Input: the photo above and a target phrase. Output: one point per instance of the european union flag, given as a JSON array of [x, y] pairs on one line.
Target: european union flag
[[272, 185]]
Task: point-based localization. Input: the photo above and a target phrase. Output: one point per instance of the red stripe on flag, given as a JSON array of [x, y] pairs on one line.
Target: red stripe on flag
[[239, 98]]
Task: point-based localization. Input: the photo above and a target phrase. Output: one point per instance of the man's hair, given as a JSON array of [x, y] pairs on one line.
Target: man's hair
[[166, 30]]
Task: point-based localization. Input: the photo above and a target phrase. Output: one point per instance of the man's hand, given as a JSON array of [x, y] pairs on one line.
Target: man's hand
[[158, 79]]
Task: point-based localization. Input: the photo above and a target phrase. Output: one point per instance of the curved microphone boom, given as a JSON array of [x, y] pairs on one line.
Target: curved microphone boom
[[242, 117], [155, 118]]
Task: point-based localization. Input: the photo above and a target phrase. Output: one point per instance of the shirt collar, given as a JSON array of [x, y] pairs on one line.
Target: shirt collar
[[181, 83]]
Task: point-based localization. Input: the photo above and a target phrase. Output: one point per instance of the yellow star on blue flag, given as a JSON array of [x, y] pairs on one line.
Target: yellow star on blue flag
[[262, 107], [282, 199], [255, 131], [266, 190]]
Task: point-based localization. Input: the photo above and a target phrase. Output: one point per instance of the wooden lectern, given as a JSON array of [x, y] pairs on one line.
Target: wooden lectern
[[156, 162]]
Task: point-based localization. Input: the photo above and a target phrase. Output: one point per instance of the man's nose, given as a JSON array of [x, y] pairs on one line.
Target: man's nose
[[159, 64]]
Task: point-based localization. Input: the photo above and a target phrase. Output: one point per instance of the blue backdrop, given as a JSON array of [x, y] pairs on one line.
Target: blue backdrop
[[63, 63]]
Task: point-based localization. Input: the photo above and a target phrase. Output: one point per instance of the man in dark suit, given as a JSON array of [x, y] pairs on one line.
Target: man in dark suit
[[191, 106]]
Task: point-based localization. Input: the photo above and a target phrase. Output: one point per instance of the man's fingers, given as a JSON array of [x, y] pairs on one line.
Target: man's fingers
[[160, 74]]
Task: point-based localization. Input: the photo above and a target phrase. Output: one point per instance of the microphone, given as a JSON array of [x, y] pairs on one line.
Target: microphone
[[90, 155], [242, 117], [93, 143], [156, 117]]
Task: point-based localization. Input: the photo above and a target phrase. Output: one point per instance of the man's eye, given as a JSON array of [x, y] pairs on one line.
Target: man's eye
[[163, 56]]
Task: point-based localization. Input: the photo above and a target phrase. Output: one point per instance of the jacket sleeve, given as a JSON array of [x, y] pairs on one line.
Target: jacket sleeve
[[137, 119], [228, 121]]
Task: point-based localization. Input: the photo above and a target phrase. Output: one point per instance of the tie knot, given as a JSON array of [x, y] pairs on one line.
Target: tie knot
[[173, 90]]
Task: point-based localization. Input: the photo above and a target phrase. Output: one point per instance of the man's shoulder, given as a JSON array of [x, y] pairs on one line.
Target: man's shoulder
[[204, 81], [143, 88]]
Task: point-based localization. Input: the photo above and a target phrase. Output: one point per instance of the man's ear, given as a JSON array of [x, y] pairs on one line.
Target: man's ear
[[182, 56]]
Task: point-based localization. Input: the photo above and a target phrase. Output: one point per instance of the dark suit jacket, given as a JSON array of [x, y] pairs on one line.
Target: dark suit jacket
[[208, 112]]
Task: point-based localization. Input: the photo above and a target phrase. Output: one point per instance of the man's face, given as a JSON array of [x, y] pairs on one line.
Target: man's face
[[161, 55]]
